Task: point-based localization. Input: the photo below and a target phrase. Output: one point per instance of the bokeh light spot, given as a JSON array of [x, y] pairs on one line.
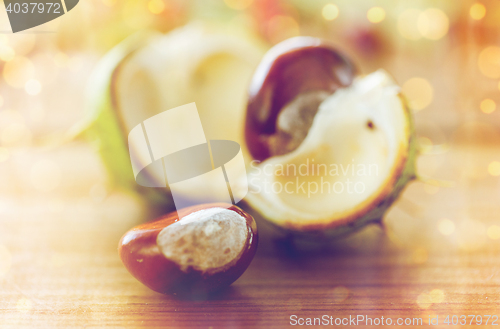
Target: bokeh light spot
[[446, 226], [6, 53], [238, 4], [419, 93], [33, 87], [494, 168], [136, 14], [330, 12], [437, 296], [493, 232], [45, 175], [489, 62], [424, 300], [18, 71], [375, 15], [425, 144], [340, 294], [156, 6], [24, 305], [477, 11], [433, 24], [488, 106]]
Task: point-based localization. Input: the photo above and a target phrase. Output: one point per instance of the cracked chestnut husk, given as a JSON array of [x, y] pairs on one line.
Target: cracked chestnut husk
[[333, 148]]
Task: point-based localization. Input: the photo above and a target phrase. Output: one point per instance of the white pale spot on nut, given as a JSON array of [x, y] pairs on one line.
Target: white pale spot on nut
[[205, 240]]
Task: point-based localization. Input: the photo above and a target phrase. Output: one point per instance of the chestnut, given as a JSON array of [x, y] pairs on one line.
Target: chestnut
[[207, 249], [310, 116], [291, 81]]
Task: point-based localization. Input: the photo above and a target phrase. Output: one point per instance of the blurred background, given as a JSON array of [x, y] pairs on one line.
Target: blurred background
[[444, 54]]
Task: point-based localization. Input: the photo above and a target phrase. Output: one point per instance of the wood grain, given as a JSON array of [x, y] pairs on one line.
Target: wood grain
[[59, 266]]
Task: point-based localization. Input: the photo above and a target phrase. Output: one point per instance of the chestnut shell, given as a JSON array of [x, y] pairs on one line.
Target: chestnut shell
[[291, 68], [163, 275]]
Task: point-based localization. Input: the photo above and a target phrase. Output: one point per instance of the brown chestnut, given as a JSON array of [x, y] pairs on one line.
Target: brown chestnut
[[292, 80], [207, 249]]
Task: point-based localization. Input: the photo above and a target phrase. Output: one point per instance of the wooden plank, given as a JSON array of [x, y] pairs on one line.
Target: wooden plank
[[59, 267]]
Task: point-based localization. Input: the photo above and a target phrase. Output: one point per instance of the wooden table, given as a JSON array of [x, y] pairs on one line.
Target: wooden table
[[59, 266]]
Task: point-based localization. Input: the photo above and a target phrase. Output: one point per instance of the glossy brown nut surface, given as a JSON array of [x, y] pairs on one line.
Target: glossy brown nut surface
[[294, 67], [143, 252]]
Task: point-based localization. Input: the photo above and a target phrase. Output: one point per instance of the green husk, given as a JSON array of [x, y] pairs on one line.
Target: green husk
[[105, 125], [102, 125]]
